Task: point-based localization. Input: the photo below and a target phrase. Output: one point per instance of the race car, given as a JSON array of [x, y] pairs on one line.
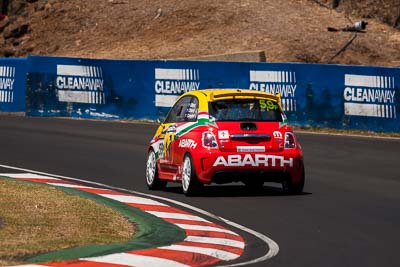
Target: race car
[[223, 136]]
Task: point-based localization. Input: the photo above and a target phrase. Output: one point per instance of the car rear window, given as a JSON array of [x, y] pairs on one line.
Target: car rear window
[[245, 110]]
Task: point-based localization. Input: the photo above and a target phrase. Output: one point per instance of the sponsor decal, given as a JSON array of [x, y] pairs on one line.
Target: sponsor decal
[[7, 79], [277, 134], [370, 96], [171, 83], [253, 160], [276, 82], [223, 134], [160, 151], [250, 149], [187, 143], [80, 84], [168, 139], [268, 104]]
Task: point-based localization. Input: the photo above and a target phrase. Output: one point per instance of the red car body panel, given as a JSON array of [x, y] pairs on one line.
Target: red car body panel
[[241, 147]]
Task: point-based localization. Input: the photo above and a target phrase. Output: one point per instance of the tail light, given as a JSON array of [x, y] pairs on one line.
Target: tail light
[[209, 140], [290, 141]]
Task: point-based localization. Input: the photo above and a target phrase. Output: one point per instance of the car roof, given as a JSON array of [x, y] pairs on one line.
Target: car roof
[[218, 94]]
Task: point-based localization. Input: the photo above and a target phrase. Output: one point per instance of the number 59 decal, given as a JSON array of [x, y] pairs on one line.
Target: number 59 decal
[[269, 104]]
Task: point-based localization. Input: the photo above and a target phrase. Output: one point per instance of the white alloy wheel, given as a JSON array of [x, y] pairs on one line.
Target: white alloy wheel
[[151, 168], [152, 179], [186, 174]]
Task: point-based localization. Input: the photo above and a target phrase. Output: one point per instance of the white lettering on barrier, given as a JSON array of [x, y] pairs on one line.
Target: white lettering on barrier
[[7, 80], [175, 87], [285, 90], [170, 83], [6, 83], [276, 82], [369, 96], [79, 83]]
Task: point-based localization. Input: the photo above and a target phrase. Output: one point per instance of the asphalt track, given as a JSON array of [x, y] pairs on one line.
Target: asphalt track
[[349, 214]]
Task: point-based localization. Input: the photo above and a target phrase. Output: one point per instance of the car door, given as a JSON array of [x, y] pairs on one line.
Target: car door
[[174, 118]]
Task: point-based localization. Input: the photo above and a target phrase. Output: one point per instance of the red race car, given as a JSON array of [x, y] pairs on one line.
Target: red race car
[[224, 136]]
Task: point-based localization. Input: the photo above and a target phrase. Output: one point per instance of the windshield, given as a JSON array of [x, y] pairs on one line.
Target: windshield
[[245, 110]]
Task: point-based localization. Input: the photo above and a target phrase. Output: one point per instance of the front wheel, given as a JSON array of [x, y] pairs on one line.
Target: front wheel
[[190, 184], [152, 180]]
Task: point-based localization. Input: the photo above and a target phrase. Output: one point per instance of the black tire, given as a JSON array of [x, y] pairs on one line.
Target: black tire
[[190, 184], [293, 188], [152, 180]]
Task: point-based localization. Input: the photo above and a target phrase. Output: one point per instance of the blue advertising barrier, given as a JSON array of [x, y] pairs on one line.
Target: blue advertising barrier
[[336, 96], [12, 85]]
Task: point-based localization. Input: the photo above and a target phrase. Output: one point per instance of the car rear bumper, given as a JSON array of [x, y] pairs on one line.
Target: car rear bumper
[[227, 167]]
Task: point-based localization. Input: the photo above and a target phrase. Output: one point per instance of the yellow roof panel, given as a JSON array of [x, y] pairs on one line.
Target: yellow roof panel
[[216, 94]]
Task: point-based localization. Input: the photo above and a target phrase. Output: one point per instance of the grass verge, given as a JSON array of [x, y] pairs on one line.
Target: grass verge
[[37, 219]]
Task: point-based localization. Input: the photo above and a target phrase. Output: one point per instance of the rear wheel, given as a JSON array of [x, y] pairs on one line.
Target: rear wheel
[[152, 180], [293, 188], [190, 184]]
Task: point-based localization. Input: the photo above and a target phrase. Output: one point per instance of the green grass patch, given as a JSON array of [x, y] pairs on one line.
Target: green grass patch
[[150, 232], [36, 219]]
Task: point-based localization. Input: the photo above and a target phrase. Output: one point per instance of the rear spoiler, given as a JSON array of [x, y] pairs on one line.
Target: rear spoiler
[[247, 93]]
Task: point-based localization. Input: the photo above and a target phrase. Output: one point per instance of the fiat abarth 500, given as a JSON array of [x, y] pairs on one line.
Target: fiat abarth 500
[[223, 136]]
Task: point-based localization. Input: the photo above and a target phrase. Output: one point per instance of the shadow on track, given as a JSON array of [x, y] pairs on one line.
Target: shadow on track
[[234, 191]]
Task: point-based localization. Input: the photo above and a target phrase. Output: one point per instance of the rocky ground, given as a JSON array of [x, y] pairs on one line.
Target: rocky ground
[[287, 30]]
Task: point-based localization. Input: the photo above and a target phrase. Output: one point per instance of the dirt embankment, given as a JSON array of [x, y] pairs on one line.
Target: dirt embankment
[[386, 11], [287, 30]]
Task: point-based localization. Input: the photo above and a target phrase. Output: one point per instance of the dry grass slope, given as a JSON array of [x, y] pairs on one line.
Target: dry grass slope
[[287, 30]]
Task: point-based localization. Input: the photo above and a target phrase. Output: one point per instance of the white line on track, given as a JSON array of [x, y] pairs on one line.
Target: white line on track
[[128, 259], [216, 253], [70, 185], [172, 215], [215, 240], [204, 228], [132, 199], [273, 246], [30, 175]]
